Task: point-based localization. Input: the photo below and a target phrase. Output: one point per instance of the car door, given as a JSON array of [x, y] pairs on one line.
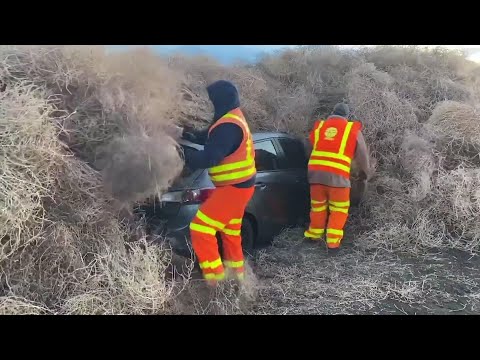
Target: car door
[[269, 200], [293, 166]]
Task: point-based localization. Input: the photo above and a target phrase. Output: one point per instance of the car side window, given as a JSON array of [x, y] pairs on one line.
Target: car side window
[[294, 154], [265, 156]]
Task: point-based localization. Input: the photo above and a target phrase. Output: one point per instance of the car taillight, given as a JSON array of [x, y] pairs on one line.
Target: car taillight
[[196, 196]]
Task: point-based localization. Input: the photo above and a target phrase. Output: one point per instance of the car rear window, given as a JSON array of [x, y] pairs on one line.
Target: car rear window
[[294, 154]]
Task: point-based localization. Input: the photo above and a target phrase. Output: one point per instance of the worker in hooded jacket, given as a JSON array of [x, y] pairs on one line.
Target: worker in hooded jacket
[[336, 142], [229, 156]]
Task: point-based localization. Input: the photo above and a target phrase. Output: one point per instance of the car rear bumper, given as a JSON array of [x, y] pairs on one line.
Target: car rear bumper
[[180, 241], [177, 230]]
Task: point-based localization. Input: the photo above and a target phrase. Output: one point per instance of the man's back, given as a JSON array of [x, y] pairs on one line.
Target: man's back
[[333, 179]]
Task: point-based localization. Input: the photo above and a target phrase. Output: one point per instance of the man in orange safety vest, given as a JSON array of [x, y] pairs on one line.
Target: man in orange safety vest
[[336, 142], [229, 156]]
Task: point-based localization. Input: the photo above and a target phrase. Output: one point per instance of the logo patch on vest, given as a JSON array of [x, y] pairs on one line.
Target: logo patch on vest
[[330, 133]]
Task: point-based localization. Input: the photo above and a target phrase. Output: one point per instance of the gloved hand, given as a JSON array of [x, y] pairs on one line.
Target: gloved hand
[[188, 134], [367, 176], [174, 131], [362, 176]]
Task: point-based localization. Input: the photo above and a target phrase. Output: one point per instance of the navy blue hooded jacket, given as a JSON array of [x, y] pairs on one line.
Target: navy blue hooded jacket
[[225, 139]]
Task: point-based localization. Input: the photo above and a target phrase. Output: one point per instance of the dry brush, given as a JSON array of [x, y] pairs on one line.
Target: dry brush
[[84, 134]]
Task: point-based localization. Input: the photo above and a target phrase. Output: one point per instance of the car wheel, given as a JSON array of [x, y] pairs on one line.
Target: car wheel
[[248, 236], [357, 192]]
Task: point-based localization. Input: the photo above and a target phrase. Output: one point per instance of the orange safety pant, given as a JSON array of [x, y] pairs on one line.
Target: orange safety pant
[[330, 203], [221, 212]]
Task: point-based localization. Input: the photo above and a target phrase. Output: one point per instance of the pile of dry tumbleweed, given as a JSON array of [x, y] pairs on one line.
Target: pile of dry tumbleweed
[[83, 135]]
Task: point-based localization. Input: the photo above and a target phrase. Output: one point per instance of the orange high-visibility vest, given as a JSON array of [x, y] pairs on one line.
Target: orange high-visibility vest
[[334, 146], [239, 166]]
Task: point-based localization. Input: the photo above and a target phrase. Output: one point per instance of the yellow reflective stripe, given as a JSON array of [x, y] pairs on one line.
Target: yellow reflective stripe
[[249, 145], [210, 264], [236, 117], [333, 240], [308, 234], [317, 134], [203, 229], [316, 231], [234, 264], [334, 208], [233, 116], [335, 232], [346, 135], [244, 123], [209, 220], [332, 155], [330, 164], [318, 202], [231, 166], [214, 276], [231, 232], [235, 221], [340, 203], [319, 209], [235, 175]]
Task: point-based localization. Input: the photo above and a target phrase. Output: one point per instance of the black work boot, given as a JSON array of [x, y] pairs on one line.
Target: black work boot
[[333, 251], [310, 241]]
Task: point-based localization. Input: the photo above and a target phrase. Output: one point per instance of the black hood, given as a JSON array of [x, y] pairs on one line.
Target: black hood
[[224, 97]]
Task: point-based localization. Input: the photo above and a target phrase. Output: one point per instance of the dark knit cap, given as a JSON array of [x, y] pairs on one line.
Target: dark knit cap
[[341, 109], [224, 96]]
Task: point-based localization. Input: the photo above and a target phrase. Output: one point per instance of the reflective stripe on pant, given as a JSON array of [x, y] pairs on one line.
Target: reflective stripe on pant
[[318, 217], [232, 249], [223, 212], [328, 203]]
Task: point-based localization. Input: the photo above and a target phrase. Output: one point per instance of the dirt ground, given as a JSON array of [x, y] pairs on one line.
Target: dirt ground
[[299, 278], [292, 277]]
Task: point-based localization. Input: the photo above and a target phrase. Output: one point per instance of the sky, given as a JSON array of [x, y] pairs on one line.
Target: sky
[[276, 47], [229, 53], [474, 57]]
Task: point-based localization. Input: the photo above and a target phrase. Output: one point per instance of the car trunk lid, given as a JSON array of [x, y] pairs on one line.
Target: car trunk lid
[[169, 203]]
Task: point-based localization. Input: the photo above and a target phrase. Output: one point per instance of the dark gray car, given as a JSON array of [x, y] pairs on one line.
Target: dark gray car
[[281, 198]]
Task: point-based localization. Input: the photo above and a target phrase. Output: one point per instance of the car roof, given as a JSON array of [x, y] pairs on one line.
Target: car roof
[[257, 136], [268, 135]]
